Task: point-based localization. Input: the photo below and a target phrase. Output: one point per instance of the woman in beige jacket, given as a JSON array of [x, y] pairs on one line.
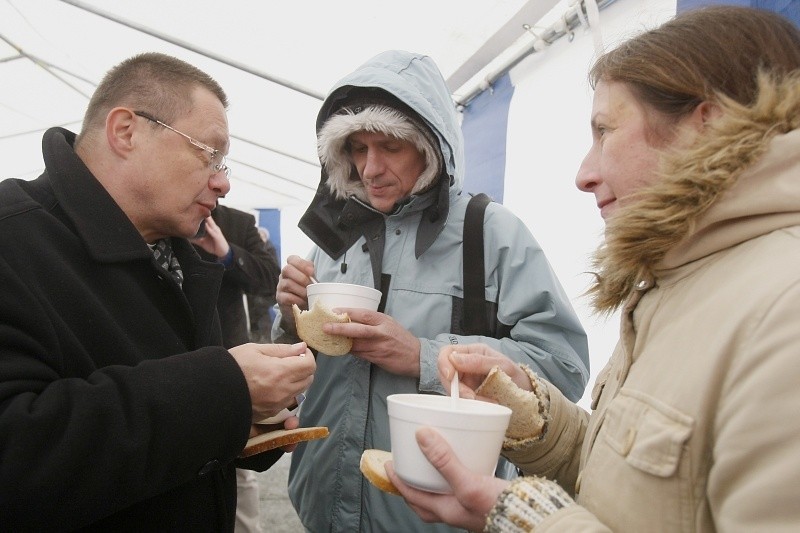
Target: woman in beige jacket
[[695, 166]]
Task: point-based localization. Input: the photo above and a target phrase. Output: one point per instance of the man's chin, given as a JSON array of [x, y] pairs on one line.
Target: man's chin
[[384, 205]]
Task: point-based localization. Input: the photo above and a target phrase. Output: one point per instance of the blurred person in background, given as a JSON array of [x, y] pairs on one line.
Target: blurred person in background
[[230, 237], [260, 304]]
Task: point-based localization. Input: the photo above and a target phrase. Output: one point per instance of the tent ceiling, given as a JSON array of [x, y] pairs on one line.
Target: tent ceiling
[[308, 43]]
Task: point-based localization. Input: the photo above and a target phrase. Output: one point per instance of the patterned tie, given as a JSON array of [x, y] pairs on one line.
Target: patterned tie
[[162, 250]]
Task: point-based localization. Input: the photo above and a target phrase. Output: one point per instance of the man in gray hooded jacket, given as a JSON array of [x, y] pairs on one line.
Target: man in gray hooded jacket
[[389, 213]]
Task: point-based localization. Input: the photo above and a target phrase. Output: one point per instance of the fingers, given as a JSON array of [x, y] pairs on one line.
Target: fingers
[[211, 224], [284, 350], [473, 495], [415, 498], [472, 362], [275, 374], [295, 277], [291, 423], [441, 456], [362, 325], [299, 269], [361, 315]]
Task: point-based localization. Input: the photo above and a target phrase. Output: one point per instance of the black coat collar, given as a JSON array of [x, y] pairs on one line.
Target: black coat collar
[[335, 225], [106, 230]]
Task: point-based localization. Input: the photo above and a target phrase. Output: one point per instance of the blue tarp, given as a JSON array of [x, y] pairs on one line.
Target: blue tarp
[[788, 8], [485, 128]]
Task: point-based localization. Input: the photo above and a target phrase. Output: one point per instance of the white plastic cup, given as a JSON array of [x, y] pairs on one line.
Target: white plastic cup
[[474, 429], [341, 295]]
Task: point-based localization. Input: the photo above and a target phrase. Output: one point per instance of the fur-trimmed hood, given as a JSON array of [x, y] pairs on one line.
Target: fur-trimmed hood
[[739, 179], [394, 80], [343, 179]]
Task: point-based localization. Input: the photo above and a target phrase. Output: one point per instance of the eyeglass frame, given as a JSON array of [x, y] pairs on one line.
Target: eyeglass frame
[[222, 166]]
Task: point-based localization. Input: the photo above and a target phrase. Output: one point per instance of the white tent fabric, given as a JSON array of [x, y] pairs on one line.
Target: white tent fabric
[[312, 43]]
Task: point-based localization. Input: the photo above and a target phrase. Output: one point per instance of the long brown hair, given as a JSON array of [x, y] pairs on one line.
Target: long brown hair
[[745, 60], [700, 54]]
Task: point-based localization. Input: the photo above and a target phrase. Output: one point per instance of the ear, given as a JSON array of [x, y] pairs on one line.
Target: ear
[[703, 113], [121, 125]]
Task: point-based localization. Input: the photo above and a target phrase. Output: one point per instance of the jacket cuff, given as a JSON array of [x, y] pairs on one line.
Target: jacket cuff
[[228, 259], [428, 368], [524, 504]]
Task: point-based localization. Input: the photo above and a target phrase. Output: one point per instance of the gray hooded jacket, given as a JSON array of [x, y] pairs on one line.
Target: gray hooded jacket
[[414, 255]]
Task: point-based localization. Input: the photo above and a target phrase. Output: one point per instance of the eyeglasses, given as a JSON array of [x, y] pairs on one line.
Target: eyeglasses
[[217, 162]]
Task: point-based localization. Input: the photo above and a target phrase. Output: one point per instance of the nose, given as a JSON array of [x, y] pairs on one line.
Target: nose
[[588, 176], [219, 183], [373, 165]]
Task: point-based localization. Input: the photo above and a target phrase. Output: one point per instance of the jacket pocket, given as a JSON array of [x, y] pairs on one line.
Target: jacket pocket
[[648, 433], [637, 475]]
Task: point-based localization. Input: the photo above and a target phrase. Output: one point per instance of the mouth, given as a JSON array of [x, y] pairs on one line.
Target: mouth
[[208, 207], [606, 206], [377, 189]]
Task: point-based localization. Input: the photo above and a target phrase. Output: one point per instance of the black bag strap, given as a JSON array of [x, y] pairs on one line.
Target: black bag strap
[[475, 320]]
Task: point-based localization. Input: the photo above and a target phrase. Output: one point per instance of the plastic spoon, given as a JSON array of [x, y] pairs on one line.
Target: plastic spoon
[[454, 390]]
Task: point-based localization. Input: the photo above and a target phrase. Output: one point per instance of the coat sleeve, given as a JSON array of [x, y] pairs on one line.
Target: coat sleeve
[[74, 449], [557, 455], [255, 267], [545, 333]]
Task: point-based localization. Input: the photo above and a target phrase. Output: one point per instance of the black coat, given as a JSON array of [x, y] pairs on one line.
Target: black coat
[[119, 408], [255, 268]]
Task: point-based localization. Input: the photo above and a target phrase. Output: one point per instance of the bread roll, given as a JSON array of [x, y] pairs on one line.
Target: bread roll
[[529, 415], [309, 328], [371, 466]]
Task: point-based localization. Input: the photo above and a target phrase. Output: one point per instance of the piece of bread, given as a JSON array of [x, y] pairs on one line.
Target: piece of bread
[[282, 437], [309, 328], [528, 415], [371, 466]]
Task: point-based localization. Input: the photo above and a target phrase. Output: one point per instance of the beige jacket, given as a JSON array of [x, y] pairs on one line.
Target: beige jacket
[[696, 417]]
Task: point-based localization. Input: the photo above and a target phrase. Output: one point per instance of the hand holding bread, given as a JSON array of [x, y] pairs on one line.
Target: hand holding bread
[[473, 362], [474, 494], [499, 380], [530, 410], [275, 374], [309, 329]]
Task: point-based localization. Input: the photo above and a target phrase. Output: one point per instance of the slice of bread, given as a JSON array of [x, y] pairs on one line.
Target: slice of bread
[[282, 437], [527, 418], [309, 328], [371, 466]]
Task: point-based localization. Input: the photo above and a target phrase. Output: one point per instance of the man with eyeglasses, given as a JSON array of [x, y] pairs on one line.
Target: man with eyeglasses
[[120, 409]]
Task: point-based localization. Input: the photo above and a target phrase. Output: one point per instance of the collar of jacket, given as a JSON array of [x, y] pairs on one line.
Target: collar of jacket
[[335, 225], [110, 236], [672, 221], [108, 233]]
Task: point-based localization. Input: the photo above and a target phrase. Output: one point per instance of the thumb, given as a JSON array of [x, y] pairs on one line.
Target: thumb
[[467, 362], [442, 457]]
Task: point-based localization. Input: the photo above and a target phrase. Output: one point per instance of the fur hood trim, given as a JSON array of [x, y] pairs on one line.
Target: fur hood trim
[[343, 180], [667, 213]]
